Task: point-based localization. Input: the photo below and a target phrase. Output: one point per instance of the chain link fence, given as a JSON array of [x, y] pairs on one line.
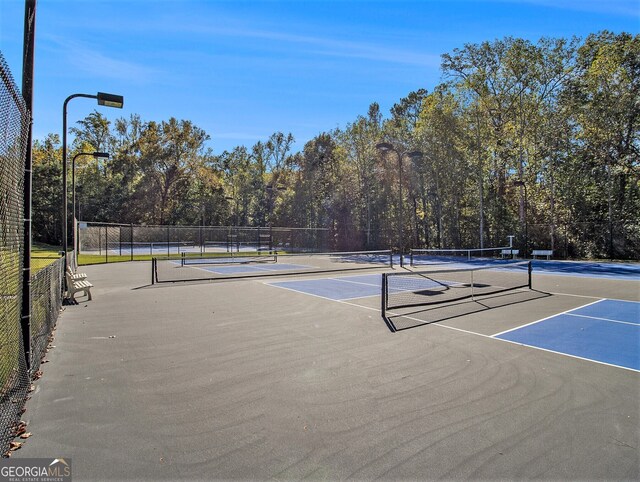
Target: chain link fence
[[14, 377], [106, 242], [19, 364], [46, 302]]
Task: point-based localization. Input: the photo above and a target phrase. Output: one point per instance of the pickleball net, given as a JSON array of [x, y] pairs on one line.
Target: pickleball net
[[442, 286], [189, 259], [217, 266], [419, 257]]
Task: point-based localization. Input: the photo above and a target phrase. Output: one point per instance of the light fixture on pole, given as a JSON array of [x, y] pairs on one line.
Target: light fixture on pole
[[521, 183], [383, 148], [108, 100], [96, 155]]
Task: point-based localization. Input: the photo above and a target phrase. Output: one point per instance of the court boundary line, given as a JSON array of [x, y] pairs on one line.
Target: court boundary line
[[354, 282], [568, 355], [603, 319], [343, 300], [547, 318], [591, 297], [312, 294]]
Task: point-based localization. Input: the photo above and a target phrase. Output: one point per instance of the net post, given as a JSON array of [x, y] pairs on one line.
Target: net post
[[182, 260], [401, 258], [383, 296], [472, 287], [529, 271], [153, 271]]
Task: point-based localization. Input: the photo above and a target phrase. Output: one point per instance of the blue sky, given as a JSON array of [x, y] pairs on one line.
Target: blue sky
[[242, 70]]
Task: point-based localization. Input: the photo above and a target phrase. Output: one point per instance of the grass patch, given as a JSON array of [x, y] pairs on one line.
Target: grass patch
[[43, 255]]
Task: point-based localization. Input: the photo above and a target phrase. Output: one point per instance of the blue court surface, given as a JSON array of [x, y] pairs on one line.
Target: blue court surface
[[606, 331], [339, 288]]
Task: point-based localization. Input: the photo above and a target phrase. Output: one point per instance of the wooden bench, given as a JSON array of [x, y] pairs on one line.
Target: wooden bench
[[510, 252], [542, 252], [77, 286]]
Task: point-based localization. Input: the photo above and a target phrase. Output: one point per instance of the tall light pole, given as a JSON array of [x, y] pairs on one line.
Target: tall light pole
[[96, 155], [521, 183], [383, 148], [108, 100]]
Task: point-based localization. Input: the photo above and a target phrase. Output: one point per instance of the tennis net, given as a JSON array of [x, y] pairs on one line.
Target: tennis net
[[194, 267], [433, 256], [439, 286]]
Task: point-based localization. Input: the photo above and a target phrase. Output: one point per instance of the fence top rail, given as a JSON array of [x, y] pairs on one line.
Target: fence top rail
[[192, 226]]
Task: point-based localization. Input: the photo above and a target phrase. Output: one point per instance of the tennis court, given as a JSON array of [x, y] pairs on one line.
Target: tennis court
[[299, 376]]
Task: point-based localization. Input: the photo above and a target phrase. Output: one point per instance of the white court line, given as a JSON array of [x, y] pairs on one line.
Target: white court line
[[568, 355], [604, 319], [303, 292], [587, 296], [492, 337], [546, 318], [342, 300], [356, 282]]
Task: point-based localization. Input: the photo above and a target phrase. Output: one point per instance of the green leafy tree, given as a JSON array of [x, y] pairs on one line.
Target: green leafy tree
[[170, 153], [47, 190], [603, 101]]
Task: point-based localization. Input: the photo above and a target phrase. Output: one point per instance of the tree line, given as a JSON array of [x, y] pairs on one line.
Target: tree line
[[538, 139]]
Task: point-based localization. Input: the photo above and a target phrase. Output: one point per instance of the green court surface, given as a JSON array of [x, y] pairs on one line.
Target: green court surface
[[260, 379]]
